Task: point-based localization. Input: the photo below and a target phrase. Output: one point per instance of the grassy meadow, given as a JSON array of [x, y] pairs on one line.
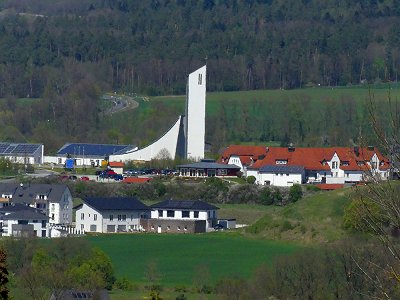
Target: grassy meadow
[[179, 257]]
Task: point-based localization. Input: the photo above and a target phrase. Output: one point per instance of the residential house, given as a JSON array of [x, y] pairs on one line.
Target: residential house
[[176, 216], [20, 220], [54, 200], [335, 165], [243, 156], [22, 153], [278, 175], [208, 168], [110, 215]]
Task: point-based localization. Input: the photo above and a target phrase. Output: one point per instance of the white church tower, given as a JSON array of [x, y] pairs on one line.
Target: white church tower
[[195, 117]]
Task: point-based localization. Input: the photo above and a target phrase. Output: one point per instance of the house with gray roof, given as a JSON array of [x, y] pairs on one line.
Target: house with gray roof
[[54, 200], [181, 216], [281, 175], [21, 220], [110, 215], [208, 168]]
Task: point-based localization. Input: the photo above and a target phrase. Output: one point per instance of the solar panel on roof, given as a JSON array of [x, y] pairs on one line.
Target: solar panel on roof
[[90, 149], [9, 149], [3, 147]]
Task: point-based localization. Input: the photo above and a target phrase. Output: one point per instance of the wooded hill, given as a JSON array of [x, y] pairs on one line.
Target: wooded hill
[[152, 45], [68, 52]]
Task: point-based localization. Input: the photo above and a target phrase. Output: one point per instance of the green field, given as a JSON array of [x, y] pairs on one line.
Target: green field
[[179, 256]]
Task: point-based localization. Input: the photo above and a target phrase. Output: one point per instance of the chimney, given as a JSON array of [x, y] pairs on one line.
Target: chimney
[[356, 151]]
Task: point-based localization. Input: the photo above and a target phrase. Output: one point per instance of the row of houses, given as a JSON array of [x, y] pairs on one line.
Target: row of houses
[[45, 210], [285, 166]]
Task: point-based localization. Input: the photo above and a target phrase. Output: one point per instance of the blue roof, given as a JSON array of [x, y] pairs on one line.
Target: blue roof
[[92, 149], [115, 203], [281, 169], [18, 148]]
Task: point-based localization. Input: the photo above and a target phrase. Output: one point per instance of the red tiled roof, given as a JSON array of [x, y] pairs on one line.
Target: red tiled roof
[[116, 164], [136, 180], [329, 187], [247, 154], [316, 158]]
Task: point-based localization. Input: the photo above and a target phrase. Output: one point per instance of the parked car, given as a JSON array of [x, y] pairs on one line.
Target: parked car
[[107, 174], [219, 227], [84, 178], [118, 177]]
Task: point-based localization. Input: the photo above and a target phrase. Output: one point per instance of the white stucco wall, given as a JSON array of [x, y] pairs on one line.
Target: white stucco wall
[[196, 114], [280, 179], [235, 160], [168, 142], [102, 219], [37, 226], [206, 215]]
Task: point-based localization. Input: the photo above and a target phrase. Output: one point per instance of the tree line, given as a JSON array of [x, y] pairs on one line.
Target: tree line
[[152, 45]]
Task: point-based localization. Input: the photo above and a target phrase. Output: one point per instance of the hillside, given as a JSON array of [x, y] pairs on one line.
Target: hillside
[[314, 219], [304, 117]]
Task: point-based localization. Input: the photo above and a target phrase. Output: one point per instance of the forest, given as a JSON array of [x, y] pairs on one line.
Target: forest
[[67, 53]]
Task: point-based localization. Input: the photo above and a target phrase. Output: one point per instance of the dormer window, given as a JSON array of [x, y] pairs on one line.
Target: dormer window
[[360, 163], [345, 163], [334, 165], [281, 162], [41, 197], [6, 196]]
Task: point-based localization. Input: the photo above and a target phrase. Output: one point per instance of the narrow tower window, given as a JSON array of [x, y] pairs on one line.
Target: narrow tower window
[[200, 79]]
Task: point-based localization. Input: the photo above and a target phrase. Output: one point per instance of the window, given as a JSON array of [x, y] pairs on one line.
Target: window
[[168, 228], [82, 216], [185, 214], [334, 165], [160, 213], [179, 228], [119, 217], [345, 163], [93, 228], [196, 214], [200, 80], [95, 217], [111, 217], [123, 217], [185, 228], [170, 213], [281, 162], [222, 172]]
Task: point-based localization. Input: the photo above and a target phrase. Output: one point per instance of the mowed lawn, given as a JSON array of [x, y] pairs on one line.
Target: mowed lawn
[[179, 257]]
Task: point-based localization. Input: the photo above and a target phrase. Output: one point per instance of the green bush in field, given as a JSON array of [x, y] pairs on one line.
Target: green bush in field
[[266, 196], [295, 193], [251, 179]]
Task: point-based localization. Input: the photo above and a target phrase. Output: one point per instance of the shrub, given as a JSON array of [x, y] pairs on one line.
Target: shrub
[[266, 196], [251, 179], [286, 225], [124, 284], [295, 193]]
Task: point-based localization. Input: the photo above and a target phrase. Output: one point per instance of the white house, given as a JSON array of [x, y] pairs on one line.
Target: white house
[[55, 200], [335, 165], [110, 215], [177, 216], [22, 153], [281, 175], [22, 221]]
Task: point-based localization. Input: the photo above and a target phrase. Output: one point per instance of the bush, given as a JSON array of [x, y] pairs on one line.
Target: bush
[[251, 179], [266, 196], [286, 225], [295, 193], [124, 284]]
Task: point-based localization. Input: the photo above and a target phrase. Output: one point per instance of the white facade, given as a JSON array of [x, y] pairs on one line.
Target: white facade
[[167, 144], [185, 215], [41, 230], [195, 117], [235, 160], [89, 219], [78, 161], [280, 179]]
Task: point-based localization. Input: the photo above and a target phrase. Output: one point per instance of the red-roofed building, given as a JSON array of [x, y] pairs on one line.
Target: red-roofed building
[[243, 156], [118, 167], [335, 165]]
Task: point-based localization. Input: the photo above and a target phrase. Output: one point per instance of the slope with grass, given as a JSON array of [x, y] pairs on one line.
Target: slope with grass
[[314, 219]]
